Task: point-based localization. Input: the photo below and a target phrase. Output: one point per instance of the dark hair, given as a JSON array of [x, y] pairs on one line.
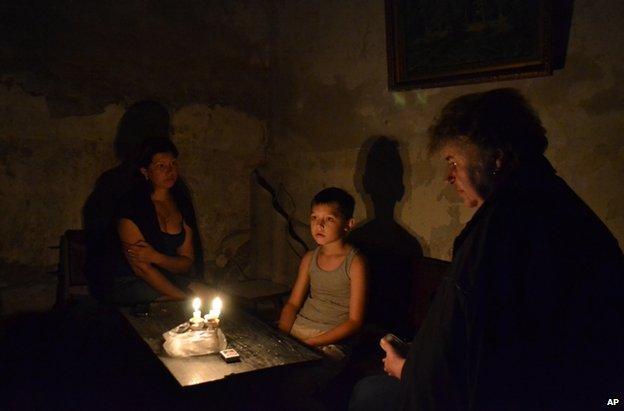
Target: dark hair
[[152, 146], [344, 200], [496, 119]]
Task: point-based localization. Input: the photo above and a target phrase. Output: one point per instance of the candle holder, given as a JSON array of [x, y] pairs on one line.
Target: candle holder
[[212, 323], [197, 323]]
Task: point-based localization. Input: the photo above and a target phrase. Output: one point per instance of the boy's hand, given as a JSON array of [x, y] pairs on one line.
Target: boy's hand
[[282, 327], [310, 342], [287, 317], [393, 362]]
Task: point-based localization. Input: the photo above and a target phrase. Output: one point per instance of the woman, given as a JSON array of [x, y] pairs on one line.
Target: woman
[[154, 230], [530, 315]]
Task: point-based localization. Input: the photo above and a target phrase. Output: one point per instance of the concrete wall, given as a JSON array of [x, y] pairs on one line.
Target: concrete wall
[[332, 98], [69, 72]]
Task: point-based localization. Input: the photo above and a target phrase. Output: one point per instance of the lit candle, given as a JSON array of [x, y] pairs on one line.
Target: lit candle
[[215, 309], [196, 308]]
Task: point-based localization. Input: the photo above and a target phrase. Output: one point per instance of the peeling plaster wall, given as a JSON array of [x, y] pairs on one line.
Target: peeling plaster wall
[[331, 82], [304, 80], [48, 168], [82, 56], [69, 72]]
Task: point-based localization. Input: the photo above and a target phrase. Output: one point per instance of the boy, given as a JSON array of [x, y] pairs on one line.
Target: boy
[[335, 276]]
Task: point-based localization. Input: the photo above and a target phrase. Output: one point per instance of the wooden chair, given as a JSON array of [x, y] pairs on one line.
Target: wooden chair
[[71, 274], [427, 275]]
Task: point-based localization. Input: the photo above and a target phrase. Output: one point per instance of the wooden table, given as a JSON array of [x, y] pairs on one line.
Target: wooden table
[[260, 346]]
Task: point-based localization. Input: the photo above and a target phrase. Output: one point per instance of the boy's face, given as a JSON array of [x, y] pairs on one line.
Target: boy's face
[[327, 223]]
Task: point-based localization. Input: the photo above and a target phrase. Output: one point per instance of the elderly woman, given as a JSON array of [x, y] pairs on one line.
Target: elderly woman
[[530, 314]]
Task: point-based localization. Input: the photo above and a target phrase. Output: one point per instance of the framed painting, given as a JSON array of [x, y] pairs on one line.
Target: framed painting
[[436, 43]]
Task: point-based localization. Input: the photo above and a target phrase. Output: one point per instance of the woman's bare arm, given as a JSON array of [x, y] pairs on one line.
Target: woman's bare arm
[[129, 235], [179, 264]]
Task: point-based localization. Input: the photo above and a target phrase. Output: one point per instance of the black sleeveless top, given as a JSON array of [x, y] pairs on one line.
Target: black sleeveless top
[[138, 207], [171, 242]]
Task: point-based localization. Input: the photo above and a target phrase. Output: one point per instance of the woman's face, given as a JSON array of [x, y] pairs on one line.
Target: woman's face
[[467, 171], [162, 172]]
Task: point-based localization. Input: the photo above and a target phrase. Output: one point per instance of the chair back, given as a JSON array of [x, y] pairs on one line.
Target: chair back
[[427, 276], [71, 270]]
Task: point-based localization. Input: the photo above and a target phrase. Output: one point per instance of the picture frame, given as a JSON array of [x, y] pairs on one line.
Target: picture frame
[[442, 43]]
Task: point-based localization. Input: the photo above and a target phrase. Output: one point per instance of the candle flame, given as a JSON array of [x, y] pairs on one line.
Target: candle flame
[[217, 304], [196, 303]]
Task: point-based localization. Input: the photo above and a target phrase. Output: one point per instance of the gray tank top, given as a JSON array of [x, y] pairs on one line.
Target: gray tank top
[[327, 304]]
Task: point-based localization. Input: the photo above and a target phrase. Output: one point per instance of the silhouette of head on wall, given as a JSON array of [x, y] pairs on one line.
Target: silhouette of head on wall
[[383, 173], [390, 249], [143, 120]]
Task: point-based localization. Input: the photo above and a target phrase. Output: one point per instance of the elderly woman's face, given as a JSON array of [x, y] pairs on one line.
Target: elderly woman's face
[[467, 171]]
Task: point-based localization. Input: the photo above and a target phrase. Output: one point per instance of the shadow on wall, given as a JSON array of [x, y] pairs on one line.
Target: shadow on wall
[[142, 120], [390, 249]]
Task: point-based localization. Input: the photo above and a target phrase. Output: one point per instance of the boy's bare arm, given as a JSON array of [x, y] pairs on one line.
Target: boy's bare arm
[[297, 295], [357, 303]]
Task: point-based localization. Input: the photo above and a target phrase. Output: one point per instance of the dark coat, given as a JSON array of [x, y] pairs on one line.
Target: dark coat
[[530, 315]]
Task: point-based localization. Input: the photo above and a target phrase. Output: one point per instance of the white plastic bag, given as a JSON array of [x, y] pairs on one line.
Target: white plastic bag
[[189, 343]]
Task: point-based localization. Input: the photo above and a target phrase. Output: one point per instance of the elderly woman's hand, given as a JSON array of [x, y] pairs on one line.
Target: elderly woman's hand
[[393, 362], [142, 252]]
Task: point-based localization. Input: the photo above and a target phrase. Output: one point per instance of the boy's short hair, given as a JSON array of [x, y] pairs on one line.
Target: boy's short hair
[[344, 200]]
